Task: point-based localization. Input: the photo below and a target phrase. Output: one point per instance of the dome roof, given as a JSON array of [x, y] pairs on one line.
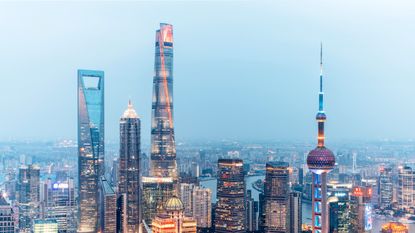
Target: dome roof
[[173, 204], [130, 112], [321, 160]]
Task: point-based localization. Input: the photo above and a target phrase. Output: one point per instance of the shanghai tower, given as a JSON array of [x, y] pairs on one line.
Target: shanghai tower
[[163, 148], [320, 161], [90, 146]]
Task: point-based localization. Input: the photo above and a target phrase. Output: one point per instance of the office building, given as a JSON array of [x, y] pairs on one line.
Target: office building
[[90, 146], [320, 162], [251, 212], [230, 214], [163, 147], [275, 214], [28, 196], [108, 208], [129, 179], [296, 214], [360, 210]]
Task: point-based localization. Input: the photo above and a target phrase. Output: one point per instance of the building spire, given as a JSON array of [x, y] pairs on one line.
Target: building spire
[[321, 93]]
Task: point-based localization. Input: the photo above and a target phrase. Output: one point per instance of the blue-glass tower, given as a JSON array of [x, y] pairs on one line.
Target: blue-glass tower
[[320, 161], [90, 146]]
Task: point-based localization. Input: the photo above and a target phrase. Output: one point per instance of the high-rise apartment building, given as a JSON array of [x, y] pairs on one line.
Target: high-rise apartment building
[[230, 214], [275, 214], [129, 179], [406, 187], [202, 207], [320, 162], [45, 226], [385, 187], [186, 196], [90, 146]]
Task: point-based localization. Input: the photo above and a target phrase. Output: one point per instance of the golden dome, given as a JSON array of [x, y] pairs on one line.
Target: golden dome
[[173, 204]]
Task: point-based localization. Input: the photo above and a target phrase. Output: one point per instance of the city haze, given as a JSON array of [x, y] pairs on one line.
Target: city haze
[[242, 69]]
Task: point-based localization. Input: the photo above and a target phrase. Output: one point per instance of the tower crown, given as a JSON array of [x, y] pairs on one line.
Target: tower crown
[[130, 112]]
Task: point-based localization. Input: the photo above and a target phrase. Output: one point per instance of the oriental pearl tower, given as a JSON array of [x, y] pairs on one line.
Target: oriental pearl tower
[[320, 161]]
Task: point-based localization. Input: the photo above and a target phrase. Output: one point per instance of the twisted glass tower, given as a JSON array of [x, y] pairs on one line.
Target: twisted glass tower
[[163, 148], [90, 146], [320, 161]]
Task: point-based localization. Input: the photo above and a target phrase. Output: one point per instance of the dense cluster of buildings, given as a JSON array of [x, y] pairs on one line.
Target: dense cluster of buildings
[[167, 199]]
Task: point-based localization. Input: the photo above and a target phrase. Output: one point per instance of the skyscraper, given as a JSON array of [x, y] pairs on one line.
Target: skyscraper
[[90, 146], [295, 212], [251, 212], [406, 187], [276, 202], [320, 161], [230, 211], [129, 183], [360, 210], [156, 191], [202, 207], [108, 207], [28, 196], [163, 148], [385, 186]]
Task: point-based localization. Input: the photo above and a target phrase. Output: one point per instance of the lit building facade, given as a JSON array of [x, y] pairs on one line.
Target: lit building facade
[[129, 180], [156, 191], [320, 162], [108, 208], [202, 207], [90, 146], [60, 204], [360, 210], [45, 226], [163, 147], [338, 209], [276, 203], [172, 219], [385, 186], [230, 214], [406, 187], [394, 227]]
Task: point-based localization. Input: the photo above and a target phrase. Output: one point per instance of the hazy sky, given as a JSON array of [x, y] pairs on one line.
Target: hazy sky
[[242, 69]]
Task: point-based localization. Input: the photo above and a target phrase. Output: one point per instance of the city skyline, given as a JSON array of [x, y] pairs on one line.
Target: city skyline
[[361, 53]]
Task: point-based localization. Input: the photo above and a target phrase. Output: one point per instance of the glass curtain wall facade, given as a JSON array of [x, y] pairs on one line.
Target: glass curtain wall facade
[[90, 146], [129, 181], [230, 214], [163, 148]]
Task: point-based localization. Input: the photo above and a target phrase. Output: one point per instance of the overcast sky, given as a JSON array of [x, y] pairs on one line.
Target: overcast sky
[[242, 69]]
